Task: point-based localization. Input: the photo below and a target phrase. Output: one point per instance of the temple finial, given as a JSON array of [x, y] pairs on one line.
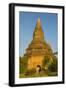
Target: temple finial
[[38, 20]]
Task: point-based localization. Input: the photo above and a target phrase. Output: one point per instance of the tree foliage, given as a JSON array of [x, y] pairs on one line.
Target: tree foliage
[[50, 65], [45, 62], [23, 64], [53, 67]]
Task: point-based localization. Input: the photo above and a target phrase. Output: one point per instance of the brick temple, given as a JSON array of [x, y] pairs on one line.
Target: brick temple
[[38, 48]]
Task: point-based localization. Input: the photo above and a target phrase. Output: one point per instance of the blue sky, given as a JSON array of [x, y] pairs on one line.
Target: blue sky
[[27, 23]]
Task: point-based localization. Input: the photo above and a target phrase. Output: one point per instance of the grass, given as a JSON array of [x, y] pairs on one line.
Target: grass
[[41, 74]]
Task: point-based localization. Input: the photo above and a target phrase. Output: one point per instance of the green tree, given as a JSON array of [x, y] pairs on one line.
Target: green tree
[[23, 63], [45, 62], [53, 67], [50, 64]]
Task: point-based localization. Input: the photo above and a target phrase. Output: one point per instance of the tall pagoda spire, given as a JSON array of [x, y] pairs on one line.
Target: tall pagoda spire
[[38, 44], [38, 32]]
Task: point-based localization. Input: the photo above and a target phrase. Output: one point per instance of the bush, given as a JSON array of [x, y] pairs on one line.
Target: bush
[[30, 72], [45, 62], [23, 64], [53, 67], [50, 65]]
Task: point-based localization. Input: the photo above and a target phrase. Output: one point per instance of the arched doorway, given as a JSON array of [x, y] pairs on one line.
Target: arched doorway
[[38, 69]]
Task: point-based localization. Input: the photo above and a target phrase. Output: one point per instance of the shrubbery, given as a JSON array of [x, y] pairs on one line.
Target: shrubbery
[[23, 64], [53, 67], [30, 72], [50, 65]]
